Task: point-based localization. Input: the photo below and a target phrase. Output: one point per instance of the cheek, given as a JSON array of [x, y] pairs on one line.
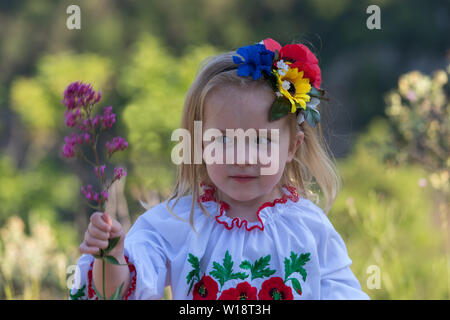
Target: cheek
[[216, 171]]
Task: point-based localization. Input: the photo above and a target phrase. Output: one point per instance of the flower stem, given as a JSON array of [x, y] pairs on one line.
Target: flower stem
[[103, 271]]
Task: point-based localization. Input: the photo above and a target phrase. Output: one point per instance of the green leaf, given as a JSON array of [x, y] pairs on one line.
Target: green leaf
[[238, 275], [224, 272], [228, 263], [112, 260], [191, 276], [312, 116], [193, 260], [112, 242], [100, 255], [190, 286], [80, 293], [303, 273], [296, 285], [219, 273], [245, 265], [318, 93], [304, 258], [295, 264], [116, 295], [100, 297], [280, 108], [287, 268], [195, 273], [259, 270]]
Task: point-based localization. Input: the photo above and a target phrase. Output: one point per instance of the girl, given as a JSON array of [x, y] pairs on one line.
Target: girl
[[229, 232]]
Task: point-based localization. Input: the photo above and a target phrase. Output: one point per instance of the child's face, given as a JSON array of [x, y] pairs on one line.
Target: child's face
[[233, 108]]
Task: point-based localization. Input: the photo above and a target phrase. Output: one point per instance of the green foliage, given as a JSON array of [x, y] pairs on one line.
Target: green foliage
[[195, 272], [295, 264], [30, 263], [386, 220], [419, 116], [37, 100], [225, 272], [156, 83], [260, 268]]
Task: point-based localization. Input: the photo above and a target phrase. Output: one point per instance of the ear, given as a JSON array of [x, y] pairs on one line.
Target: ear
[[298, 140]]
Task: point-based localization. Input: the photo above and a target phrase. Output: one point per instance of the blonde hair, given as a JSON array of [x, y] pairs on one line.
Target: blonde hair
[[313, 162]]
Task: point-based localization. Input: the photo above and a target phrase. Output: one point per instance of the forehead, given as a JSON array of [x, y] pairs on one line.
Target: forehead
[[232, 107]]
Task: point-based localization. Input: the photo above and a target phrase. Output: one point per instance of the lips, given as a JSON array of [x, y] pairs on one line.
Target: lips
[[243, 178]]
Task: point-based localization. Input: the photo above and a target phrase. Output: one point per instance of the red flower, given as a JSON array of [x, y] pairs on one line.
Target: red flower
[[206, 289], [243, 291], [301, 57], [272, 45], [275, 289], [304, 60]]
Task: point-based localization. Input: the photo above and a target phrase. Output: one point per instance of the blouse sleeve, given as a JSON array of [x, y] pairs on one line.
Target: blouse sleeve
[[83, 284], [337, 279], [144, 253]]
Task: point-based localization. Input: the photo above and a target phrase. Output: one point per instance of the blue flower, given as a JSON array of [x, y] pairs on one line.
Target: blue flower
[[256, 59]]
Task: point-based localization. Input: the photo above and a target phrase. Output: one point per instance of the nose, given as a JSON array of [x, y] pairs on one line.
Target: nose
[[246, 155]]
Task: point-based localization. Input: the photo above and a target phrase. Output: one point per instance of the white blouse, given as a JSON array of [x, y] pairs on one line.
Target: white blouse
[[291, 252]]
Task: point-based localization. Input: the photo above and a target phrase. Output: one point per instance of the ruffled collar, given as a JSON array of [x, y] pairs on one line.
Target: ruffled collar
[[208, 195]]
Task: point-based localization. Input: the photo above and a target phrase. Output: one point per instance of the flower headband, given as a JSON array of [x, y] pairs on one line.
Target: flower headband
[[293, 73]]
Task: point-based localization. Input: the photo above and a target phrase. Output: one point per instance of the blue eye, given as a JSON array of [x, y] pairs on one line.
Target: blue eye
[[222, 139], [263, 140]]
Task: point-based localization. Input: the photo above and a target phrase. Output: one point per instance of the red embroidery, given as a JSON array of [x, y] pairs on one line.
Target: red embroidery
[[132, 287], [208, 195]]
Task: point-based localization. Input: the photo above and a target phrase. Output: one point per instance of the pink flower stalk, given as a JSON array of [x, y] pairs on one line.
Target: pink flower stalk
[[108, 118], [80, 98], [116, 144], [70, 148], [102, 171], [119, 173], [105, 195], [78, 95], [89, 193]]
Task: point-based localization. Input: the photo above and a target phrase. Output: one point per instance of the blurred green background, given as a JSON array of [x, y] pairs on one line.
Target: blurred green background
[[387, 124]]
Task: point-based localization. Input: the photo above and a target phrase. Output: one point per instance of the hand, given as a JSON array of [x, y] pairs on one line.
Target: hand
[[100, 229]]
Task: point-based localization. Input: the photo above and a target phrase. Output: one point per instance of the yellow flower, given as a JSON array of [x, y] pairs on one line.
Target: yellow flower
[[294, 87]]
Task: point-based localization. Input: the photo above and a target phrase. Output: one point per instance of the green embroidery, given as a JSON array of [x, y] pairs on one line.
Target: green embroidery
[[295, 264], [195, 273], [224, 272], [258, 270], [78, 295]]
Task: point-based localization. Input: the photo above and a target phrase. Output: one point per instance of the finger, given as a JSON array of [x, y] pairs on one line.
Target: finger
[[84, 248], [97, 233], [97, 220], [106, 218], [116, 228], [93, 242]]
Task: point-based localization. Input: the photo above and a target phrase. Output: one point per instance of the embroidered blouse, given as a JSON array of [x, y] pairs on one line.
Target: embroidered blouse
[[291, 252]]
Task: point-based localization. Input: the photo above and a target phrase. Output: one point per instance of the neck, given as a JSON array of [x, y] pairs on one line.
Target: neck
[[247, 209]]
